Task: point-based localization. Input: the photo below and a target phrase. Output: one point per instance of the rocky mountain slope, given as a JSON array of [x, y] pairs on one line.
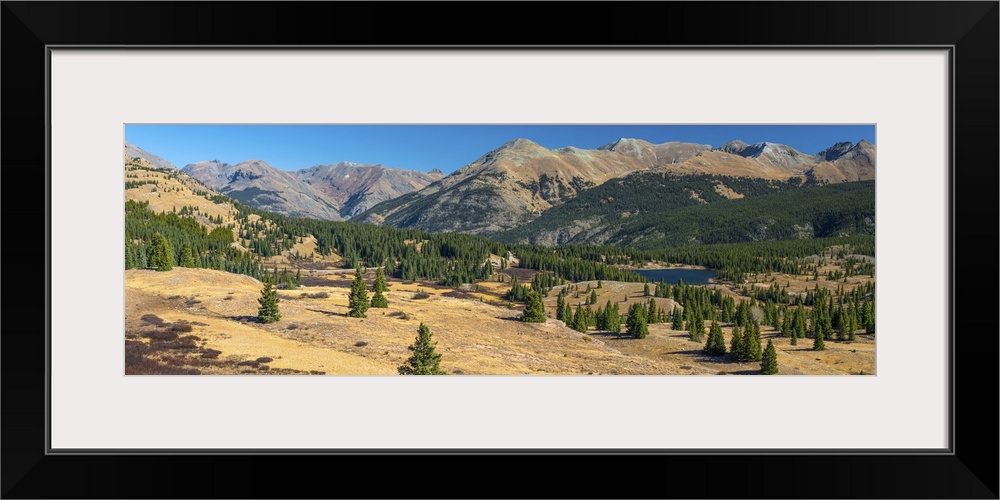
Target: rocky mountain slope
[[518, 182], [260, 185], [133, 151], [356, 187]]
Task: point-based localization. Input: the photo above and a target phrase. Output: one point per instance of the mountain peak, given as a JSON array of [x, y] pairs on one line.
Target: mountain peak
[[770, 148], [622, 143], [836, 151], [521, 143], [627, 146], [132, 151], [735, 146], [436, 171]]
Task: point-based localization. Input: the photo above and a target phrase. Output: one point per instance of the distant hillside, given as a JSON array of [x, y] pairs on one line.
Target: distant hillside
[[356, 187], [515, 183], [260, 185], [520, 182], [833, 210], [133, 151], [588, 217]]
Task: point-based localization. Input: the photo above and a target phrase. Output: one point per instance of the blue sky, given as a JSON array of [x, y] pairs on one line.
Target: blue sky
[[445, 147]]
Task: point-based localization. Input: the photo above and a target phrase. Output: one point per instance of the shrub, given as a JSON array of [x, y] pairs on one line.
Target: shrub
[[360, 343], [152, 319], [264, 359], [210, 353], [182, 326], [161, 335]]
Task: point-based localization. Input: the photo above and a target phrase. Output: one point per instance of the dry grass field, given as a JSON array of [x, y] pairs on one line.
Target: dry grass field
[[188, 321]]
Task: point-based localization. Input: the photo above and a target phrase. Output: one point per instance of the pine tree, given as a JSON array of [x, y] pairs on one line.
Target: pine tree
[[716, 344], [161, 253], [358, 300], [678, 318], [579, 320], [424, 360], [769, 360], [696, 327], [560, 309], [268, 312], [645, 289], [751, 338], [534, 310], [737, 348], [818, 344], [187, 257], [636, 321], [593, 297], [378, 300], [870, 318], [615, 319]]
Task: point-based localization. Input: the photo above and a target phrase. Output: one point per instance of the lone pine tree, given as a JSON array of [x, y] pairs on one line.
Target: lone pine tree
[[424, 361], [358, 300], [534, 310], [769, 360], [379, 300], [818, 344], [268, 312]]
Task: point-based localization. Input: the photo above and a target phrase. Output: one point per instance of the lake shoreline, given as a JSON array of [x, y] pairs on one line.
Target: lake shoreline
[[671, 276], [659, 265]]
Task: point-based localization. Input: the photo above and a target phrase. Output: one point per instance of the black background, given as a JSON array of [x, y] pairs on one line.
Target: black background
[[972, 27]]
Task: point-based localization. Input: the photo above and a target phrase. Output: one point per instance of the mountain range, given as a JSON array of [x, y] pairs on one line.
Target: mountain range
[[333, 192], [520, 181], [524, 192]]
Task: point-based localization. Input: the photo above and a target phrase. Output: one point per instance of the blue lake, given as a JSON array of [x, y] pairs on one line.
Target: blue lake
[[670, 276]]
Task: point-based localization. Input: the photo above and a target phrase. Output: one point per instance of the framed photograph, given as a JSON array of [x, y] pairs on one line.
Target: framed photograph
[[117, 365]]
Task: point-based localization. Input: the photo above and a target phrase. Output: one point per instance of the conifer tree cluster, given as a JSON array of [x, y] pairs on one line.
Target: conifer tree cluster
[[517, 292], [745, 344], [716, 343], [609, 318], [380, 287], [161, 253], [635, 323], [534, 309]]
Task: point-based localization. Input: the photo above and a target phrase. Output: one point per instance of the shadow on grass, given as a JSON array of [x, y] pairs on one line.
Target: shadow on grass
[[747, 372], [328, 313], [243, 319]]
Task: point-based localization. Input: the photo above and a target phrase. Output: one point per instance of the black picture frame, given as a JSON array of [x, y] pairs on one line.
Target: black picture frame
[[970, 29]]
